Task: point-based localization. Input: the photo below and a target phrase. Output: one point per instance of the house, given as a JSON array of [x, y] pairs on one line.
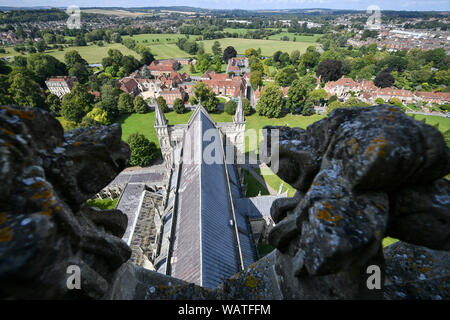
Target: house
[[60, 85], [129, 85], [163, 67], [225, 84]]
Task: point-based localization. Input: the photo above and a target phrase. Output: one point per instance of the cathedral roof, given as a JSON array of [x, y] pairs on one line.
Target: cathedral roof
[[211, 241]]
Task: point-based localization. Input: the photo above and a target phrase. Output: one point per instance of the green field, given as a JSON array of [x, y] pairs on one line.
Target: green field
[[291, 36], [156, 38], [167, 51], [91, 53], [444, 123], [268, 47]]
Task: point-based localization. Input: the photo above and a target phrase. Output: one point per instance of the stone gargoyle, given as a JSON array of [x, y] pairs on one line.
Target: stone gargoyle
[[45, 225], [361, 174]]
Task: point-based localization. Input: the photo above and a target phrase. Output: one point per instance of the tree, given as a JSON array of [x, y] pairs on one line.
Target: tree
[[54, 104], [270, 102], [146, 56], [125, 103], [192, 68], [72, 57], [24, 91], [379, 101], [230, 107], [44, 66], [41, 46], [384, 79], [162, 104], [229, 53], [205, 96], [178, 106], [297, 94], [110, 97], [76, 104], [77, 66], [216, 49], [140, 106], [143, 151], [319, 95], [286, 76], [246, 105], [250, 52], [308, 108], [256, 79], [329, 70], [99, 115]]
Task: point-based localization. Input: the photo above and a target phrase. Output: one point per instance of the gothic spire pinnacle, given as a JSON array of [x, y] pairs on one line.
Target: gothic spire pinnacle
[[239, 115], [160, 118]]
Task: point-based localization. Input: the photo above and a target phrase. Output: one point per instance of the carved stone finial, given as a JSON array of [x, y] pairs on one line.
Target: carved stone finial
[[362, 174]]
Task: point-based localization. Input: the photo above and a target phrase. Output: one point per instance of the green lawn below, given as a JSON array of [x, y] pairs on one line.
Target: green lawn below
[[92, 53], [104, 204]]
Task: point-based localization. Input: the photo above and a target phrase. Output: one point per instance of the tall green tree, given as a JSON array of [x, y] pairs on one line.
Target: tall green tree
[[178, 106], [205, 96], [143, 151], [270, 102], [125, 103], [286, 76], [24, 91], [162, 104], [230, 107], [216, 49], [76, 104], [140, 106]]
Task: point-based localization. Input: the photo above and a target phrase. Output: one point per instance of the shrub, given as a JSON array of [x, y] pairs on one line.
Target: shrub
[[230, 107]]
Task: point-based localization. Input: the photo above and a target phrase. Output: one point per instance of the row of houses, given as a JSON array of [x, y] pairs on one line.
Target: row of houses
[[161, 78], [367, 91]]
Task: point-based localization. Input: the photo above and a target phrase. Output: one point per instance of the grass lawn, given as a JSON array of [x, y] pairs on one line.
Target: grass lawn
[[444, 123], [268, 47], [253, 186], [167, 51], [149, 38], [291, 36], [104, 204], [91, 53]]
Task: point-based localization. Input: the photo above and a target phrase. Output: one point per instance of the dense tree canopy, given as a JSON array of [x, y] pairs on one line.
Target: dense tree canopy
[[205, 96], [162, 104], [329, 70], [384, 79], [230, 107], [125, 103], [270, 102], [140, 106], [178, 106], [229, 53], [143, 151], [76, 104]]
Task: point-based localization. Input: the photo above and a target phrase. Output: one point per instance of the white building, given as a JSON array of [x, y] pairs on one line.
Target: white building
[[60, 85]]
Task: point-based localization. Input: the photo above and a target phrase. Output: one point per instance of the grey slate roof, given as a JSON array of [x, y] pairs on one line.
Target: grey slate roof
[[256, 207], [129, 204], [205, 249]]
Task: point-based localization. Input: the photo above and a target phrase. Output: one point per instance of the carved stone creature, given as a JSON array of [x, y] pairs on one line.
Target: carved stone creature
[[45, 226], [362, 174]]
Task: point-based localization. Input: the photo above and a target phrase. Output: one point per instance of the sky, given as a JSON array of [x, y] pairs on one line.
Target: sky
[[410, 5]]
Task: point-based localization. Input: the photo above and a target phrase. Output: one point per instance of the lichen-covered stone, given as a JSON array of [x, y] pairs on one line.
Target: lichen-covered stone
[[361, 174], [45, 225]]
